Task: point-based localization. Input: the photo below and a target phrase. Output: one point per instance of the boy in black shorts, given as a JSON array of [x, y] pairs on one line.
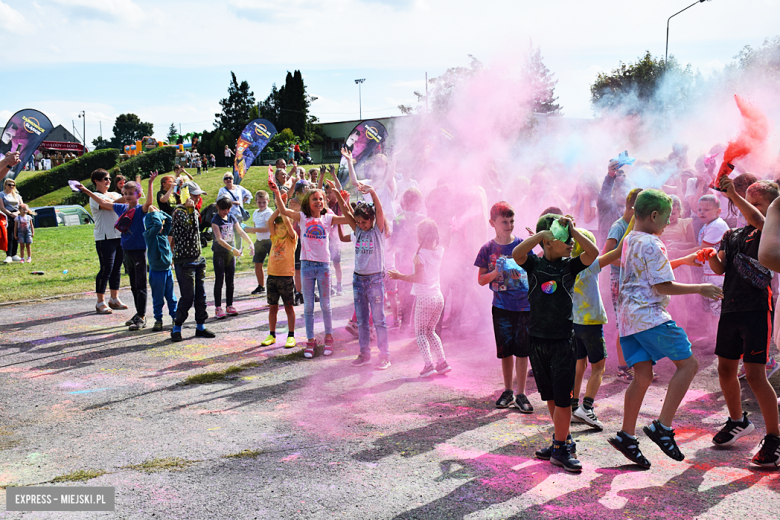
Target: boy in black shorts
[[551, 282], [745, 325], [281, 271], [511, 311]]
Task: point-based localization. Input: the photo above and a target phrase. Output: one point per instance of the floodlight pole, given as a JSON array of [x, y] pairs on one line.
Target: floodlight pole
[[83, 117], [666, 56], [359, 82]]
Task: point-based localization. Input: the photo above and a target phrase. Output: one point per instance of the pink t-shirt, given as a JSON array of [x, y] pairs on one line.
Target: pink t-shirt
[[314, 237]]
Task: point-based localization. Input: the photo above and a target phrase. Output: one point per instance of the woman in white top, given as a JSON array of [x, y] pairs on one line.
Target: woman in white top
[[228, 155], [9, 205], [107, 244]]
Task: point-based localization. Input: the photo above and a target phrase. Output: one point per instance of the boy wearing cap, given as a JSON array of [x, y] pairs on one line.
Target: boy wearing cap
[[189, 264]]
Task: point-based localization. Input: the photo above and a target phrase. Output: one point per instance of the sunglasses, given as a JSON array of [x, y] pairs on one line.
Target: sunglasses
[[105, 179], [11, 184], [228, 179]]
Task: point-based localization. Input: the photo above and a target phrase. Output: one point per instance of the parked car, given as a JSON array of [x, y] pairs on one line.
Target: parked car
[[53, 216]]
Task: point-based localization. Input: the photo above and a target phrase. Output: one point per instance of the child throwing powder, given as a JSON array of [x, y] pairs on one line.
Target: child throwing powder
[[430, 301]]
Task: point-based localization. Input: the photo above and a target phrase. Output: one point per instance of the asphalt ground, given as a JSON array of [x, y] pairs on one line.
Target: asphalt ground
[[78, 391]]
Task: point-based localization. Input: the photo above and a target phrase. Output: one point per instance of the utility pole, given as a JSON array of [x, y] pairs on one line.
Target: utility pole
[[360, 97], [83, 117]]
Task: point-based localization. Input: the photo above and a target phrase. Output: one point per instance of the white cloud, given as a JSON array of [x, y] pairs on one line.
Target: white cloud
[[117, 10], [11, 20]]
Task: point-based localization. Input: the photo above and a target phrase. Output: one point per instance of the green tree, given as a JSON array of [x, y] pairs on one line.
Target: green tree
[[648, 85], [172, 133], [537, 77], [128, 128], [235, 108], [763, 63], [99, 143], [271, 107]]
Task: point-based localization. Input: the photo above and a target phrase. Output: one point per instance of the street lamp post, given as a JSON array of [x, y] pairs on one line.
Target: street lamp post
[[666, 56], [358, 82], [83, 117]]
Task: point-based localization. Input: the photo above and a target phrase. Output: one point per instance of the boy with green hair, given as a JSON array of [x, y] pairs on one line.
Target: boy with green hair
[[551, 282], [647, 331]]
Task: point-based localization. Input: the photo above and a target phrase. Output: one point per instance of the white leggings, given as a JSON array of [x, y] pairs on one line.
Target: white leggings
[[428, 309]]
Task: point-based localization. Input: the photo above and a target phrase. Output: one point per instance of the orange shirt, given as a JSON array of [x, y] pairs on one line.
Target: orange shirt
[[281, 260]]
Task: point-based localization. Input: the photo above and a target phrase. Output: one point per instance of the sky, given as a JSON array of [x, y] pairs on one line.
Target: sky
[[169, 61]]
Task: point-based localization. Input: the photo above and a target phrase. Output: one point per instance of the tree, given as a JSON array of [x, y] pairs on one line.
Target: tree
[[172, 133], [649, 85], [99, 143], [763, 63], [537, 77], [235, 108], [128, 128], [271, 107]]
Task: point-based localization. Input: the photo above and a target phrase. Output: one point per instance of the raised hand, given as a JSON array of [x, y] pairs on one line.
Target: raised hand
[[346, 153]]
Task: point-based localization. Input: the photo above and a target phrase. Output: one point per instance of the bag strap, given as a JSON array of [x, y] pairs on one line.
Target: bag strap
[[231, 194]]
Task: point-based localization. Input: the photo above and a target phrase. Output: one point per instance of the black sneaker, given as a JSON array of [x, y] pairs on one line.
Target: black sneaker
[[204, 333], [523, 404], [664, 439], [258, 290], [131, 320], [506, 400], [361, 360], [298, 299], [769, 454], [443, 367], [630, 448], [546, 452], [733, 430], [158, 326], [562, 457], [176, 337], [139, 322]]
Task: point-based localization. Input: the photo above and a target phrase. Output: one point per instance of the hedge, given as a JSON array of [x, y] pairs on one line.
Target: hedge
[[58, 177], [160, 159]]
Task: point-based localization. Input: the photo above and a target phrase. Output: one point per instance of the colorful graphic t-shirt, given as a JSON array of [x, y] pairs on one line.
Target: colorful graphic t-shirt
[[281, 259], [711, 233], [739, 295], [550, 292], [643, 264], [314, 237], [133, 238], [508, 294], [369, 251], [23, 224], [588, 307], [226, 228]]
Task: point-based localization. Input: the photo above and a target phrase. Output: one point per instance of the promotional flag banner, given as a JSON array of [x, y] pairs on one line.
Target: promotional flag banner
[[253, 139], [366, 139], [25, 132]]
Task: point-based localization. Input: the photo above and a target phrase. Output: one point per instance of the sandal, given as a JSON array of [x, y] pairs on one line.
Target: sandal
[[308, 352], [665, 440], [103, 308], [328, 347]]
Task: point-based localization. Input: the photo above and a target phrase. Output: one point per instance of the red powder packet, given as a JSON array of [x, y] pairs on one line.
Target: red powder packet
[[725, 171]]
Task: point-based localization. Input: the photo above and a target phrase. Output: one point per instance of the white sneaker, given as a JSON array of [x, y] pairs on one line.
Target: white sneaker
[[7, 260], [589, 417], [16, 258]]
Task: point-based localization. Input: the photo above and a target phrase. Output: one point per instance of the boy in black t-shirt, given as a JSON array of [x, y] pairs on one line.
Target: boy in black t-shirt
[[745, 326], [551, 281]]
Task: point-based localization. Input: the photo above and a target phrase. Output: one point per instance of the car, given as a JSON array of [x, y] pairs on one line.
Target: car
[[53, 216]]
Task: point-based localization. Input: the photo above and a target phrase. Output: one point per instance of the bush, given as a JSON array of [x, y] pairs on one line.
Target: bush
[[160, 159], [58, 177]]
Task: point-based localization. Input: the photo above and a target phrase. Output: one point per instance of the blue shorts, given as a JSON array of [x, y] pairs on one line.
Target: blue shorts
[[666, 340]]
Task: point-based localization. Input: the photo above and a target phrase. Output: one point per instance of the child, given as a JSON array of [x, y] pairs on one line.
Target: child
[[335, 243], [189, 264], [430, 301], [745, 325], [225, 225], [368, 225], [551, 280], [158, 251], [281, 269], [315, 223], [131, 224], [404, 243], [647, 332], [511, 311], [261, 229], [616, 232], [709, 236], [24, 231]]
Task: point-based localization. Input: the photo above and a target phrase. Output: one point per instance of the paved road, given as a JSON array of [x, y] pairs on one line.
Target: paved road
[[80, 392]]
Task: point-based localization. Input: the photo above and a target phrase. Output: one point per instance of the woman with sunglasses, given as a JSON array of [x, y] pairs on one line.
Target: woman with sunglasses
[[107, 244], [238, 195], [9, 205]]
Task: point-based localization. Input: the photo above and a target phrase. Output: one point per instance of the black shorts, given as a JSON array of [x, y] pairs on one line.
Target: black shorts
[[298, 256], [744, 335], [554, 363], [511, 331], [589, 342], [262, 248], [280, 286]]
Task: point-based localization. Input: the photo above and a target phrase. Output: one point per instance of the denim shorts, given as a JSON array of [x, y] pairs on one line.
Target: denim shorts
[[666, 340]]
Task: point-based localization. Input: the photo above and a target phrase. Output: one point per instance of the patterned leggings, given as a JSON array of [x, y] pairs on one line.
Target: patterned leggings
[[427, 312]]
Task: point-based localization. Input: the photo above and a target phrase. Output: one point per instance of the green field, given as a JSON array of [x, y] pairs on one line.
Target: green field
[[73, 248]]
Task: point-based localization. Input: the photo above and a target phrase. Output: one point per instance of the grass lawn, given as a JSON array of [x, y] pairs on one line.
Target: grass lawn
[[72, 248]]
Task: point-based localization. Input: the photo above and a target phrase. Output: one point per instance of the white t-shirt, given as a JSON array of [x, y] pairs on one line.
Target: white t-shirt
[[712, 233], [643, 264], [260, 219], [104, 219], [587, 308], [314, 237], [238, 193], [431, 262]]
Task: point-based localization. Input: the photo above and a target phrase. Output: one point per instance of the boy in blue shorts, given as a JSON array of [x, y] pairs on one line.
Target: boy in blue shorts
[[647, 331], [511, 310], [551, 283]]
